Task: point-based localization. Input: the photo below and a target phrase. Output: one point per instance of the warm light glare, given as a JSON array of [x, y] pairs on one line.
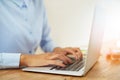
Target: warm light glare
[[112, 15], [118, 44], [111, 9]]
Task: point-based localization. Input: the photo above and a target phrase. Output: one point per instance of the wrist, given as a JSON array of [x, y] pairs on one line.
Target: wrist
[[23, 59]]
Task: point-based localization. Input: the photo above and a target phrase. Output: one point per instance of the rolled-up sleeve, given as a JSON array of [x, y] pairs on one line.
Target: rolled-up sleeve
[[9, 60]]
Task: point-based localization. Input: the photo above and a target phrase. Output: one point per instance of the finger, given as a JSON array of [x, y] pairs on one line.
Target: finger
[[77, 49], [79, 55], [71, 51], [62, 52], [61, 57], [65, 59], [56, 63], [78, 52], [53, 56]]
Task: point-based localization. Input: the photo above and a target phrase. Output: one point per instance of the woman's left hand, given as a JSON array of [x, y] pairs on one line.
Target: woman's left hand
[[76, 52]]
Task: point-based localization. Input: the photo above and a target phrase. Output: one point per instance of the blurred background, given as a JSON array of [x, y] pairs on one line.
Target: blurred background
[[71, 21]]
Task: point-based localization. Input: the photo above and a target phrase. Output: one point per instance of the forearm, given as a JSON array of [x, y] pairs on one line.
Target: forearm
[[27, 59], [23, 60]]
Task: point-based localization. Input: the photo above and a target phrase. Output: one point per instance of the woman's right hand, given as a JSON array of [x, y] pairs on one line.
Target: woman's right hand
[[44, 59]]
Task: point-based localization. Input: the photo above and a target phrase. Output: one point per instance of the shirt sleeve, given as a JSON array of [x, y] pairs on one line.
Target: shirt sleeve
[[9, 60], [46, 43]]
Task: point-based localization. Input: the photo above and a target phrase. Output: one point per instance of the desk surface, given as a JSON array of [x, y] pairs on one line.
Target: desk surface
[[103, 70]]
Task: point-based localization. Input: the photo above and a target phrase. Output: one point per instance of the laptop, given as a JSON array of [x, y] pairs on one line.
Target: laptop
[[81, 67]]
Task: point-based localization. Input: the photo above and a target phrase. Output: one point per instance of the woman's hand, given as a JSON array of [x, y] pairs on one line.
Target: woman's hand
[[58, 57], [76, 52], [44, 59]]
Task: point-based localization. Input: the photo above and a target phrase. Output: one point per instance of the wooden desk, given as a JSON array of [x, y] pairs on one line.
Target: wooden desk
[[103, 70]]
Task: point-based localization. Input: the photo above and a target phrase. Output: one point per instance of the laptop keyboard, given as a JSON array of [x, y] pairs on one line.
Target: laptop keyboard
[[75, 66]]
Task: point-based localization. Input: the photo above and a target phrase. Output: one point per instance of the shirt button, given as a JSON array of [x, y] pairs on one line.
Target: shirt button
[[30, 51], [30, 32], [24, 6]]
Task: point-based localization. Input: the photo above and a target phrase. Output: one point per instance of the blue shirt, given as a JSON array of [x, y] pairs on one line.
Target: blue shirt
[[23, 27]]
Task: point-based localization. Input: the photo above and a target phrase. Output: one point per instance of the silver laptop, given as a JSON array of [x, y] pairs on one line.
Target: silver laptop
[[81, 67]]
